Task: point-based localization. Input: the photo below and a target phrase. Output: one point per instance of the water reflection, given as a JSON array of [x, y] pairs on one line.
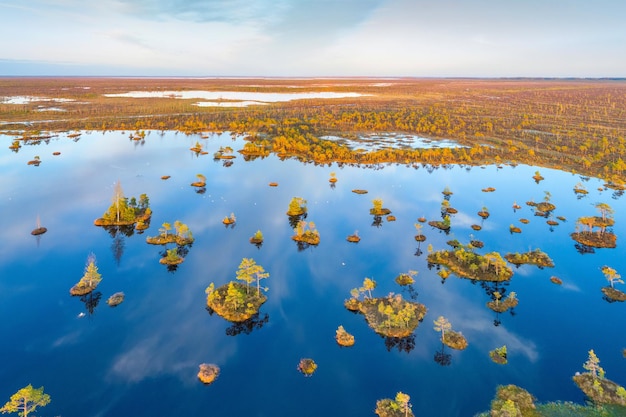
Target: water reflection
[[442, 358], [151, 345]]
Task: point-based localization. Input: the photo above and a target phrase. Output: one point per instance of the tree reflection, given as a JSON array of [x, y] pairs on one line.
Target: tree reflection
[[91, 301], [119, 233], [302, 245], [411, 291], [378, 221], [443, 358], [248, 326], [294, 220], [584, 249], [117, 247], [403, 344]]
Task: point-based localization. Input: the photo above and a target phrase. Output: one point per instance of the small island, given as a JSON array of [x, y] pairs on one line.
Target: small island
[[595, 386], [307, 366], [449, 337], [354, 238], [125, 212], [441, 224], [500, 306], [419, 237], [499, 355], [306, 233], [484, 212], [398, 407], [389, 316], [229, 220], [182, 235], [378, 209], [297, 207], [344, 338], [257, 238], [465, 263], [534, 257], [236, 301], [172, 257], [610, 292], [512, 400], [116, 299], [90, 279], [406, 278], [201, 183], [208, 373], [600, 238], [40, 230]]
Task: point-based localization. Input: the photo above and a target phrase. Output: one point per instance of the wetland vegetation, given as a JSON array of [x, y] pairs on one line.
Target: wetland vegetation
[[459, 135]]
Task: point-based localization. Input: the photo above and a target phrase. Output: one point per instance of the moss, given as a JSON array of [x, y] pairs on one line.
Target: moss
[[512, 401], [467, 264], [439, 224], [545, 207], [455, 340], [595, 239], [308, 237], [504, 305], [344, 338], [170, 238], [208, 373], [600, 390], [405, 279], [535, 257], [307, 366], [171, 260], [353, 238], [614, 294], [499, 355], [390, 316], [116, 299], [390, 408]]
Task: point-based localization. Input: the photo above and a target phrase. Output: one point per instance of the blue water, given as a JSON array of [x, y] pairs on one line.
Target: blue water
[[141, 358]]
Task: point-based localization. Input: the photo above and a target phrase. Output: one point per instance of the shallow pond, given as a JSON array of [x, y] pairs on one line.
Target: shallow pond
[[240, 98], [141, 357]]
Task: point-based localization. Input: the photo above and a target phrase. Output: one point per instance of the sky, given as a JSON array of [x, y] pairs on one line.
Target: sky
[[314, 38]]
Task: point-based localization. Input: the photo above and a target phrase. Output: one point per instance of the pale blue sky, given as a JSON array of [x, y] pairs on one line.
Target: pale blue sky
[[476, 38]]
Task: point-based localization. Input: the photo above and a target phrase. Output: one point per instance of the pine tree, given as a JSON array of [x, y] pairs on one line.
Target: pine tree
[[26, 400]]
